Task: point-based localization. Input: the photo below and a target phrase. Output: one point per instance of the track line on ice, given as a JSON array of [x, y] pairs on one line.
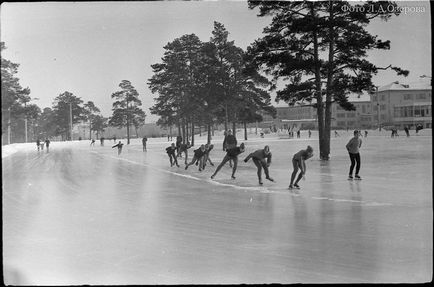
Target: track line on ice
[[245, 188]]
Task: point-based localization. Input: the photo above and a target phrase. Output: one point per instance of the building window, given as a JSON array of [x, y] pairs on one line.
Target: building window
[[374, 98], [382, 97], [351, 115], [408, 97], [383, 117], [417, 112], [397, 112], [374, 108], [340, 115], [421, 97], [382, 107], [363, 109]]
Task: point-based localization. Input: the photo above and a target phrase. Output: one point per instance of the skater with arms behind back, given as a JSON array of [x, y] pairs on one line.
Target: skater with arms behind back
[[353, 147]]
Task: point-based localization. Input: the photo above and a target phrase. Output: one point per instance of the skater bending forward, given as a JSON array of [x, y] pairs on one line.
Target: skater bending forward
[[231, 154], [298, 161], [171, 152], [197, 157], [262, 160], [353, 147]]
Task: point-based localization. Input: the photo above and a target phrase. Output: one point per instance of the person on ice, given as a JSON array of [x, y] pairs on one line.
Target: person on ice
[[298, 162], [353, 147], [119, 146], [38, 143], [144, 140], [47, 144], [183, 148], [197, 157], [259, 156], [171, 152], [231, 154], [206, 158], [230, 141], [92, 142]]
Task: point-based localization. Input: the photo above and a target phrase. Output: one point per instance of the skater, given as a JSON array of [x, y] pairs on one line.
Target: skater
[[197, 157], [298, 134], [406, 131], [366, 134], [38, 143], [171, 152], [206, 157], [299, 162], [310, 133], [119, 146], [178, 143], [101, 140], [183, 148], [47, 144], [259, 156], [336, 134], [229, 142], [231, 154], [92, 142], [114, 139], [144, 140], [353, 147]]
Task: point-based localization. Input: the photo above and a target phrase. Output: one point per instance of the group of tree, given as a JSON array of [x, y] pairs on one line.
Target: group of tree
[[207, 83], [319, 49]]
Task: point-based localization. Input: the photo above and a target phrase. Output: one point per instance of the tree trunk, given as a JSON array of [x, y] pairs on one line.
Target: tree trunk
[[245, 131], [226, 118], [90, 129], [323, 151], [192, 131], [184, 140], [209, 134], [179, 130], [234, 129]]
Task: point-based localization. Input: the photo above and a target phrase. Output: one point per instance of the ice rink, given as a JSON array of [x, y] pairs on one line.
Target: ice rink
[[84, 215]]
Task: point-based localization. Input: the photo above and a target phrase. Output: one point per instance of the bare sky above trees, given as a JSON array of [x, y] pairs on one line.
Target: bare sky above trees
[[89, 48]]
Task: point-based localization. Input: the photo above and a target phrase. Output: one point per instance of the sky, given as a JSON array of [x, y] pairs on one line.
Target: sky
[[88, 48]]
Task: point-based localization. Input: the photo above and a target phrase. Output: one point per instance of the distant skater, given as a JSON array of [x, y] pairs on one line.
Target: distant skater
[[231, 154], [144, 140], [336, 134], [47, 144], [171, 152], [407, 132], [298, 134], [119, 146], [366, 134], [298, 162], [38, 143], [353, 147], [262, 160], [114, 139], [310, 133], [92, 142], [102, 141], [197, 157], [183, 148]]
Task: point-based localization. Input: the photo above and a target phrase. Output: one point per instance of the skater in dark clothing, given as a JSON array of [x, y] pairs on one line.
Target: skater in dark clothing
[[119, 146], [231, 154], [47, 144], [38, 143], [298, 134], [144, 140], [407, 132], [178, 143], [336, 134], [310, 133], [366, 134], [206, 157], [183, 148], [262, 160], [101, 140], [229, 142], [171, 152], [114, 139], [298, 162], [197, 157], [353, 147], [92, 142]]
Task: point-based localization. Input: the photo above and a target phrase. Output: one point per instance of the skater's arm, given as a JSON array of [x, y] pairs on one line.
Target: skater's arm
[[269, 160]]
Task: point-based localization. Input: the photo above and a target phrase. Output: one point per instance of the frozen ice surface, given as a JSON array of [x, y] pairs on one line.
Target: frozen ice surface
[[84, 215]]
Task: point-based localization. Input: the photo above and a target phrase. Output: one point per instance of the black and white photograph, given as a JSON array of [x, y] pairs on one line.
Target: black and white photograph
[[216, 142]]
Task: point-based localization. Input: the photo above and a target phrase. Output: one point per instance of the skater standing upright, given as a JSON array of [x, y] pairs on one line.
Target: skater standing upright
[[231, 154], [47, 144], [310, 133], [119, 146], [298, 162], [262, 160], [38, 143], [144, 140], [353, 147], [229, 142], [406, 131]]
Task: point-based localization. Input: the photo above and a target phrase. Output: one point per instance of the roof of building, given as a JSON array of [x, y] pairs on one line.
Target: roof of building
[[424, 83]]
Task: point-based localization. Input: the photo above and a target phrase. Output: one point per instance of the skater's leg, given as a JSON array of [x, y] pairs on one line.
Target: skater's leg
[[295, 164], [186, 156], [234, 169], [259, 166], [192, 162], [353, 162], [224, 161], [357, 158]]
